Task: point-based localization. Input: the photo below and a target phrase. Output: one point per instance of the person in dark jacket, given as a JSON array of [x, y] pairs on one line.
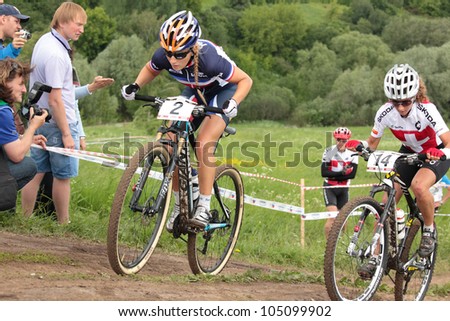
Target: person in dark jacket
[[339, 166]]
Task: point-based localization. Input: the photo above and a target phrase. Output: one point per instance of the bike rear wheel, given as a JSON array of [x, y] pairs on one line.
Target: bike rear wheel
[[346, 251], [133, 232], [209, 251], [412, 282]]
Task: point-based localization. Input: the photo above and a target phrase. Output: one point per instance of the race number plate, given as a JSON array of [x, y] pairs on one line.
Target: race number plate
[[176, 108], [382, 161]]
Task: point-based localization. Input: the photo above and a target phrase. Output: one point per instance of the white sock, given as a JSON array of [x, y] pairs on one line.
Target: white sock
[[177, 198], [428, 227], [205, 201]]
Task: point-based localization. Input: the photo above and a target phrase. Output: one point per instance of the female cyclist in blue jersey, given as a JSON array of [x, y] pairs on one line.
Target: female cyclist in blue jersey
[[211, 78]]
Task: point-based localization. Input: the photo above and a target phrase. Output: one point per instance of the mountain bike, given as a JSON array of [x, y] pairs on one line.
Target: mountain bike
[[366, 228], [142, 200]]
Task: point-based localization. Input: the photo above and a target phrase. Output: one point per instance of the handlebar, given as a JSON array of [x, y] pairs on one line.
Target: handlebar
[[407, 158], [150, 99]]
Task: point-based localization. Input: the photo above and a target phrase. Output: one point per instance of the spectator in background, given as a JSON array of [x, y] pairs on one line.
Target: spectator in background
[[10, 26], [53, 66], [338, 168], [13, 76], [437, 191], [44, 204]]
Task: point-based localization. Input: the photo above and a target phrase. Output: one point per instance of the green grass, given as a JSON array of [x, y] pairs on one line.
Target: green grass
[[267, 236]]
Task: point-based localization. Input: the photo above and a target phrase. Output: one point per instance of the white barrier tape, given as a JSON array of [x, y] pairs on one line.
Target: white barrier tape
[[318, 216], [70, 152], [270, 178], [263, 203], [310, 188], [324, 215], [157, 175], [227, 193], [274, 205], [76, 154]]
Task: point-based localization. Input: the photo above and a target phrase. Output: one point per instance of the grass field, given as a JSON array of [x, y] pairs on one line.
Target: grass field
[[266, 148]]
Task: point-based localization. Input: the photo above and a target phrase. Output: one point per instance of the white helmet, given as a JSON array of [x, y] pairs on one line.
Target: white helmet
[[401, 82]]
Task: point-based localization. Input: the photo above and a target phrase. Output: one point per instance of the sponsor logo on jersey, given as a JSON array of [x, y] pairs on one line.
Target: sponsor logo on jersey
[[418, 125], [427, 114], [385, 112]]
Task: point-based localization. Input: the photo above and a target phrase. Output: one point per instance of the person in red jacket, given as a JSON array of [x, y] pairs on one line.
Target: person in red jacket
[[339, 166]]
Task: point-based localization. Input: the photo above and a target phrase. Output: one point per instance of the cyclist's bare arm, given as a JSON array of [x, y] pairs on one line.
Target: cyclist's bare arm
[[445, 138], [145, 76], [373, 142]]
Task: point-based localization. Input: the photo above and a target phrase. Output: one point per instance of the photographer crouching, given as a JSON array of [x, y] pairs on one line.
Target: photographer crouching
[[16, 169]]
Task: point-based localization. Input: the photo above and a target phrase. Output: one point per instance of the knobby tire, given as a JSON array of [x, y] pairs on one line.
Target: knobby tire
[[340, 268], [133, 235], [209, 252]]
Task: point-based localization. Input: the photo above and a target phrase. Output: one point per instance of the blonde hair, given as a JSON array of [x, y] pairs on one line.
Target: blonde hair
[[68, 12], [422, 93], [196, 50]]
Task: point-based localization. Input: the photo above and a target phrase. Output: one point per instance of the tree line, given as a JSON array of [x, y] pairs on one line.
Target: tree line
[[314, 63]]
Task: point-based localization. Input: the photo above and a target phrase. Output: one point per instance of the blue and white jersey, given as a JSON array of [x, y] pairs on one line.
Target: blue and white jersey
[[215, 68]]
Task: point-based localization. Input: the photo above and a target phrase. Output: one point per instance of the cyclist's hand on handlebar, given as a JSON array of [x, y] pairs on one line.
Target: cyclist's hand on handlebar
[[435, 154], [354, 145], [230, 108], [129, 91]]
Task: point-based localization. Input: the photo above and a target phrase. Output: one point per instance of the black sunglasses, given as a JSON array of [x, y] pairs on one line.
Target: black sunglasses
[[178, 55], [397, 103], [342, 140]]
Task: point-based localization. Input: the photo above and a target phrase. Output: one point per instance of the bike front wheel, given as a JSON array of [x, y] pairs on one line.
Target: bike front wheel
[[134, 229], [414, 274], [349, 246], [210, 250]]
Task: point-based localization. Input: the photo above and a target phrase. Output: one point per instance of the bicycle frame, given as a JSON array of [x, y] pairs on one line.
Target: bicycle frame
[[180, 157], [142, 199], [387, 186]]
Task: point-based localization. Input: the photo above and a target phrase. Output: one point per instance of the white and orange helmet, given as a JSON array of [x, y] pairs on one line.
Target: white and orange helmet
[[181, 31], [342, 133]]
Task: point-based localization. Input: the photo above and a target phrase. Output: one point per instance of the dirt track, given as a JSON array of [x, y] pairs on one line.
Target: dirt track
[[80, 271], [72, 269]]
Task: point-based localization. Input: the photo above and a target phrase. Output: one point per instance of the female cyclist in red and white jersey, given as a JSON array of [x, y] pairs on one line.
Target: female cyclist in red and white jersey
[[339, 166], [417, 123], [210, 77]]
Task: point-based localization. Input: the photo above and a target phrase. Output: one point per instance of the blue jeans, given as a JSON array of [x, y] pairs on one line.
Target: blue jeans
[[23, 171], [61, 166]]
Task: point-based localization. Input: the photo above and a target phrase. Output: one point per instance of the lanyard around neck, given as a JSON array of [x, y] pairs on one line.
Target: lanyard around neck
[[69, 51]]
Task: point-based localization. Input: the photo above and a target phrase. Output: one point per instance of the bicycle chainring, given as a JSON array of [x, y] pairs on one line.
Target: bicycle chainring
[[179, 226]]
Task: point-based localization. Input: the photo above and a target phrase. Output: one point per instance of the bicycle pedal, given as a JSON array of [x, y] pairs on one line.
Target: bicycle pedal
[[196, 225]]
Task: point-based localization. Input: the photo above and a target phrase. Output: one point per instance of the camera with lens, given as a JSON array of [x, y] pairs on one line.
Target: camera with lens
[[33, 97], [25, 34]]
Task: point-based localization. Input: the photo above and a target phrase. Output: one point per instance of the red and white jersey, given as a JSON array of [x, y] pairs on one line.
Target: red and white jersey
[[337, 161], [418, 131]]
